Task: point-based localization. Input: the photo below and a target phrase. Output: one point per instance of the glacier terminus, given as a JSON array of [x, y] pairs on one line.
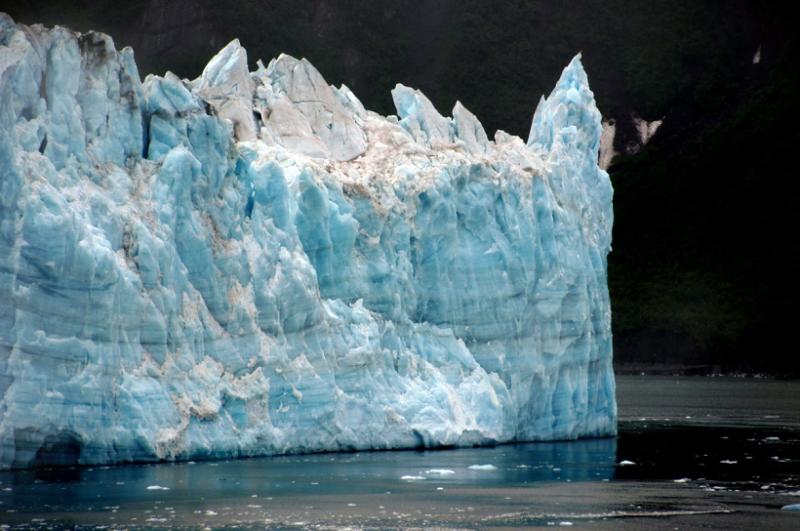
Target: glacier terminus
[[252, 263]]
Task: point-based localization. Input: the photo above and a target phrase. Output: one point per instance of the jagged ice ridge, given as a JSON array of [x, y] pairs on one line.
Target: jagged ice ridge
[[252, 263]]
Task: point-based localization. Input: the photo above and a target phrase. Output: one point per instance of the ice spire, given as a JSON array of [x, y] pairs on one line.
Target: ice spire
[[226, 85], [569, 114], [419, 117]]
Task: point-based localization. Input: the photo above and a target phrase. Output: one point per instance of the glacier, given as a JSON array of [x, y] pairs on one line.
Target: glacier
[[252, 263]]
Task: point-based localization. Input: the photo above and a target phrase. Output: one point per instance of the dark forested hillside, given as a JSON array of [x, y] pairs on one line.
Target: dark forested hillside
[[704, 268]]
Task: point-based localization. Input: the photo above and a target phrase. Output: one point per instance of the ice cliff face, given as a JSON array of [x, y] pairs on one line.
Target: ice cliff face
[[252, 263]]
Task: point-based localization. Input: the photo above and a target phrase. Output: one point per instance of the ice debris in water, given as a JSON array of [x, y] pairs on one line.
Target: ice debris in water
[[482, 467], [440, 471], [253, 263], [625, 462]]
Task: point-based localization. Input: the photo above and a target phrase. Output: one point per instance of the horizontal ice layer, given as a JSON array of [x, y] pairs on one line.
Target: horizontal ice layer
[[252, 263]]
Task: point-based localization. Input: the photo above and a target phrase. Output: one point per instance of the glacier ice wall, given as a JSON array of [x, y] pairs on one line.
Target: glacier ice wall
[[253, 263]]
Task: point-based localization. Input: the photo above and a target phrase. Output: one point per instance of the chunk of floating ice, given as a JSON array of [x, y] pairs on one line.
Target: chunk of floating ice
[[772, 439], [565, 523], [791, 507], [209, 512], [728, 462], [682, 480], [482, 467], [440, 471], [625, 462], [412, 478], [156, 487]]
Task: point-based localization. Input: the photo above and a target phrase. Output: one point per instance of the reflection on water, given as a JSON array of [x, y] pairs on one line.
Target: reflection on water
[[741, 458], [77, 489], [709, 402], [726, 433]]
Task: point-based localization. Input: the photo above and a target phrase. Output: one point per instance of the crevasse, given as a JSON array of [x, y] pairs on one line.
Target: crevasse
[[252, 263]]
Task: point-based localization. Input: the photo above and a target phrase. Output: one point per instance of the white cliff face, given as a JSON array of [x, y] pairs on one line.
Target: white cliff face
[[252, 263], [607, 151], [644, 132], [646, 129]]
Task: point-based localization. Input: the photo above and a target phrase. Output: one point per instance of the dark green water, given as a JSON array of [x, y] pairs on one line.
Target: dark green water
[[712, 452]]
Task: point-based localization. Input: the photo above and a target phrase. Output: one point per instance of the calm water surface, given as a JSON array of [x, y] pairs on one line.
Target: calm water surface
[[717, 453]]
